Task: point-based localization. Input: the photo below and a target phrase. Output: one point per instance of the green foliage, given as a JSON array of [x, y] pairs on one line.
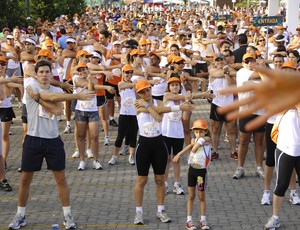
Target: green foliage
[[14, 12], [243, 3]]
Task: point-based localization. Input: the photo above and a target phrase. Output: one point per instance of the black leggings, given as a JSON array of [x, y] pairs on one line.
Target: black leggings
[[128, 127], [285, 165], [175, 144], [271, 146]]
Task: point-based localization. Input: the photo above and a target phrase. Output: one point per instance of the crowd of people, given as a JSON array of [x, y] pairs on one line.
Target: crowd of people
[[152, 65]]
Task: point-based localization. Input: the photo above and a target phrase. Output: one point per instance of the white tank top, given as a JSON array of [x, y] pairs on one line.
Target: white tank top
[[201, 158], [160, 88], [171, 123], [148, 126], [220, 100], [87, 106], [128, 98]]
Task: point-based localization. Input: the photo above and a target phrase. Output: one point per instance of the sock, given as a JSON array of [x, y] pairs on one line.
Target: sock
[[21, 211], [139, 209], [203, 218], [69, 123], [66, 210], [266, 191], [160, 208], [259, 167], [293, 191], [275, 217], [188, 218], [240, 167], [111, 118]]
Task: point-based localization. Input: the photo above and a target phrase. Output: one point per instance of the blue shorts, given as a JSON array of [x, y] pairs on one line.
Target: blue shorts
[[85, 116], [35, 149]]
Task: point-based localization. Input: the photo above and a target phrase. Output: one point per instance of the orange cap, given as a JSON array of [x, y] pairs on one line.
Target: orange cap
[[125, 28], [200, 31], [142, 84], [3, 59], [289, 64], [83, 52], [155, 54], [48, 42], [248, 55], [46, 53], [136, 51], [258, 53], [177, 59], [142, 42], [127, 67], [170, 58], [149, 42], [69, 30], [164, 40], [200, 124], [81, 65], [174, 79]]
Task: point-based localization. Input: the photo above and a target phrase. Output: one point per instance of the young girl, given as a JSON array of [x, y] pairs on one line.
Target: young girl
[[199, 159]]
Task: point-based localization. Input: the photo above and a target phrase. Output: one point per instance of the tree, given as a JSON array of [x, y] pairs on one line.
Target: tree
[[13, 13]]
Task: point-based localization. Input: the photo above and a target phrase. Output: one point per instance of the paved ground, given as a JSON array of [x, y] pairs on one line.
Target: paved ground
[[104, 199]]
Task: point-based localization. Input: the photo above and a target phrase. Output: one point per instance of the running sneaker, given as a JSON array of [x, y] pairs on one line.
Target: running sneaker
[[113, 123], [294, 198], [190, 226], [69, 222], [97, 165], [234, 156], [68, 130], [82, 166], [89, 153], [5, 185], [112, 160], [214, 156], [265, 200], [125, 151], [272, 224], [163, 216], [138, 219], [18, 222], [177, 189], [260, 173], [106, 141], [75, 154], [131, 160], [239, 173], [204, 224]]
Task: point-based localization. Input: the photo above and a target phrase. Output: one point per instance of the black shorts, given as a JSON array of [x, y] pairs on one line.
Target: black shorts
[[101, 101], [161, 98], [174, 145], [244, 121], [270, 146], [7, 114], [151, 151], [35, 149], [24, 114], [214, 115], [108, 94], [197, 177]]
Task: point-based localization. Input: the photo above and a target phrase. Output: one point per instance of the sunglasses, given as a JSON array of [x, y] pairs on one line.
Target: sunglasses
[[297, 29], [129, 72], [247, 61], [2, 63], [261, 40], [180, 63]]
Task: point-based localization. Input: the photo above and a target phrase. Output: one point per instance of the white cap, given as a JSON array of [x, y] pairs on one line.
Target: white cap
[[71, 40], [95, 54], [212, 26], [116, 43], [10, 36], [171, 33], [30, 40]]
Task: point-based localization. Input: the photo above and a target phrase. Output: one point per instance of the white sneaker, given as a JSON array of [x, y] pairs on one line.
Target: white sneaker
[[260, 173], [106, 141], [272, 224], [112, 160], [178, 189], [75, 154], [294, 198], [131, 160], [265, 200], [82, 166], [89, 153], [125, 151], [67, 129], [97, 165]]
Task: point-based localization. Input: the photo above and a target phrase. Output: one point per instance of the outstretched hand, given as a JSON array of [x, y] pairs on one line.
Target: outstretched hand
[[85, 96]]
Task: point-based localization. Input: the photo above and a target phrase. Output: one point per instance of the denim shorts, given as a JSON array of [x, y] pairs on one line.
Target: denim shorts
[[86, 116]]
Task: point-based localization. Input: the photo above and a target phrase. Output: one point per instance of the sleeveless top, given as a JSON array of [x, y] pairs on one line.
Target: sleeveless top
[[220, 100], [87, 106], [201, 158], [128, 98]]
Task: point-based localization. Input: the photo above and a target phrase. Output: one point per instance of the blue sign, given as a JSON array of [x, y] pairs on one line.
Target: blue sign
[[268, 21]]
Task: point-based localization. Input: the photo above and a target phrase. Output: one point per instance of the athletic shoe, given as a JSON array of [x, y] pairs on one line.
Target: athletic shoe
[[69, 222], [138, 219], [20, 170], [260, 173], [106, 141], [68, 129], [89, 153], [113, 123], [177, 189], [234, 155], [294, 198], [112, 160], [272, 224], [265, 200], [5, 185], [163, 216], [131, 160], [17, 222], [97, 165], [190, 226], [82, 166], [203, 224], [125, 151], [238, 174], [75, 154], [214, 156]]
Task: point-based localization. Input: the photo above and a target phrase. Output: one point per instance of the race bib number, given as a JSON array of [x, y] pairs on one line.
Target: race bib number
[[151, 129], [174, 116], [87, 104]]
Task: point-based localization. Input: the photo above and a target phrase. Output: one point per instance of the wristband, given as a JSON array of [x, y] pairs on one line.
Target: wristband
[[37, 99], [147, 105], [175, 108], [201, 141]]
